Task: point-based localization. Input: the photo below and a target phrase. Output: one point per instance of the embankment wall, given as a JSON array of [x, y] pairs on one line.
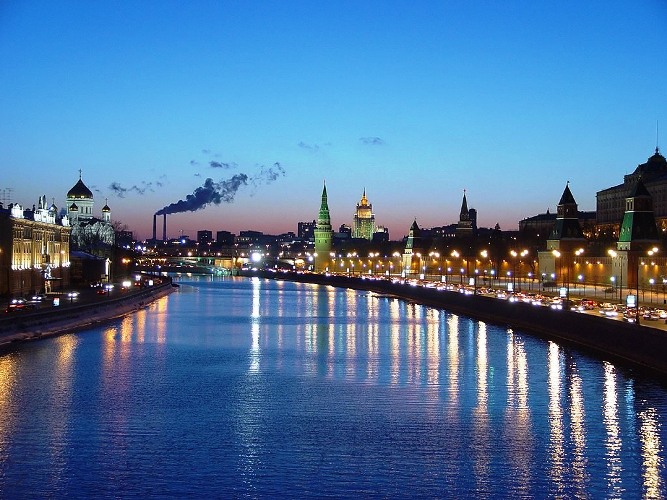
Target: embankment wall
[[57, 320]]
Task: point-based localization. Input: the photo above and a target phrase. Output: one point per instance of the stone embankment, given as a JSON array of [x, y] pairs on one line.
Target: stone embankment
[[638, 347], [24, 325]]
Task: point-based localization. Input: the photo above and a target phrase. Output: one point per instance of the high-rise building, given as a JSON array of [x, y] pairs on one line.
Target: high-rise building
[[204, 237], [363, 225], [323, 234], [344, 232], [306, 231], [224, 238]]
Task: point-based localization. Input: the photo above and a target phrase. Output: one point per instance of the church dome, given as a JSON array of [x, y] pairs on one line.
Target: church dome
[[106, 208], [80, 191]]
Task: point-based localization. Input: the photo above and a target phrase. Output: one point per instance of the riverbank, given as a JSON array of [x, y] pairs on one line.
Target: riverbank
[[637, 347], [23, 326]]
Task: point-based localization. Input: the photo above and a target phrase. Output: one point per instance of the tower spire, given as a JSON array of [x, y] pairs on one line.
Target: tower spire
[[323, 234]]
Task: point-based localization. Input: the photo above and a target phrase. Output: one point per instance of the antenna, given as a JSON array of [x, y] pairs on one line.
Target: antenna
[[657, 136], [6, 195]]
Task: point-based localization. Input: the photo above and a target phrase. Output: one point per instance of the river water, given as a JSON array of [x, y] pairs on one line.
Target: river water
[[236, 387]]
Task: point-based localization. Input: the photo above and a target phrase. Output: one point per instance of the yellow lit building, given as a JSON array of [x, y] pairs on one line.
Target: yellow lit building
[[34, 250], [363, 225]]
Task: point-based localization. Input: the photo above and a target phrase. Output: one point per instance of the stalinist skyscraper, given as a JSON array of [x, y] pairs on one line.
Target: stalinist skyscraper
[[323, 235], [363, 225]]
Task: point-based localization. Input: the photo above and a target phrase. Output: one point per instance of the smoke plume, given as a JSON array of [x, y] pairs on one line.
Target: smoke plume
[[210, 192]]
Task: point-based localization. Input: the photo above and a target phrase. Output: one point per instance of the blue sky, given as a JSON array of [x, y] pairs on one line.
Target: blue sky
[[414, 101]]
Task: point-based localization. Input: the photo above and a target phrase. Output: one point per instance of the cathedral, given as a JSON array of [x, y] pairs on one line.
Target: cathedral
[[88, 231]]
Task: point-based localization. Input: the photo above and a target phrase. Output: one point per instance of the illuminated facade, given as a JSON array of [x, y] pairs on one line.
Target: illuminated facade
[[34, 249], [363, 225], [88, 231]]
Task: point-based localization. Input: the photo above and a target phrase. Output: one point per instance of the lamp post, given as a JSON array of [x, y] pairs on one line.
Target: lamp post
[[419, 265], [436, 257], [578, 253], [455, 255], [557, 256], [484, 254], [650, 253], [397, 256], [651, 282], [613, 254]]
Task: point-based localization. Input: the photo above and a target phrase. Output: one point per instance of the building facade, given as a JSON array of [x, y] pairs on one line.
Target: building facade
[[34, 250], [363, 224], [611, 201]]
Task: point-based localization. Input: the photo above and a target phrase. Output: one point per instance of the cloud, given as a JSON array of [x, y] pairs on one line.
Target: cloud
[[371, 141], [218, 164], [313, 148], [266, 175], [194, 163], [121, 191]]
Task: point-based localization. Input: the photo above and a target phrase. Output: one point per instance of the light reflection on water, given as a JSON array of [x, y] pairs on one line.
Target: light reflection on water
[[237, 387]]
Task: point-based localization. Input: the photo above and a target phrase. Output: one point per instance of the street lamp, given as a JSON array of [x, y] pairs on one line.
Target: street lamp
[[456, 255], [557, 256], [419, 268], [398, 256], [613, 255], [651, 282], [650, 253], [436, 257]]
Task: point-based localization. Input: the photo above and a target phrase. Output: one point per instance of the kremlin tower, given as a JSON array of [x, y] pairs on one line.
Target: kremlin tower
[[323, 235]]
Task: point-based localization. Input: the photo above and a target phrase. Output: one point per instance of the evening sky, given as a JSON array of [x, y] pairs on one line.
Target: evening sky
[[414, 101]]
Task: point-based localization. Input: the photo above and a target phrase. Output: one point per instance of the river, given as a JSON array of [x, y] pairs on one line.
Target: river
[[237, 387]]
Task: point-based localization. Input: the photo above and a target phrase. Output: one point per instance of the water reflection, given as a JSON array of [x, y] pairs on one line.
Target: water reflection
[[556, 440], [481, 426], [453, 358], [578, 425], [613, 440], [331, 390], [652, 463], [254, 327], [518, 426], [8, 374]]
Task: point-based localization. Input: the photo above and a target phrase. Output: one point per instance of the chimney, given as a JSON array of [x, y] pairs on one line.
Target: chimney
[[164, 228], [154, 226]]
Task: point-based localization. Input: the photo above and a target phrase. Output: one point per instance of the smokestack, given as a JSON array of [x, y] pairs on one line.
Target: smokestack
[[164, 228], [154, 227]]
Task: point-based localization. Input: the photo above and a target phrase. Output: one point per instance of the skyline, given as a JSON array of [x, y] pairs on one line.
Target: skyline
[[413, 102]]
